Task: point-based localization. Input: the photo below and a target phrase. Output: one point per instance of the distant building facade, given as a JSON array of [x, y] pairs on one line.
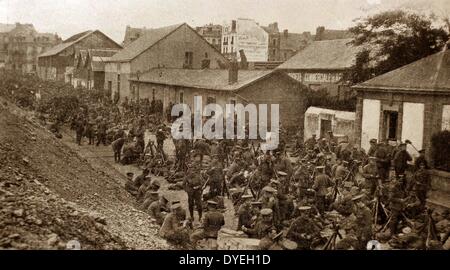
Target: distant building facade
[[20, 45], [329, 34], [57, 64], [246, 35], [212, 33], [324, 65], [177, 46]]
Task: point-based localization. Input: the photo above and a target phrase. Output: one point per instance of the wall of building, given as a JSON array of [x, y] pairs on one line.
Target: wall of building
[[111, 72], [340, 127], [433, 107]]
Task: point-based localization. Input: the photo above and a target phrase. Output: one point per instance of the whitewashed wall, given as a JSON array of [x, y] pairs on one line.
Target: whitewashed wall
[[413, 123], [370, 127]]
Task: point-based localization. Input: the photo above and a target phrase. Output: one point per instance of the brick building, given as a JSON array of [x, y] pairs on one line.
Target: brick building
[[57, 63], [177, 46], [324, 65], [412, 102], [20, 45], [89, 68], [225, 87], [212, 33]]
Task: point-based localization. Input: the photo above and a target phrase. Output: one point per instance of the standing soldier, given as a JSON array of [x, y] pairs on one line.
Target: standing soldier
[[373, 148], [321, 183], [383, 161], [89, 132], [401, 159], [211, 225], [370, 173], [266, 169], [216, 176], [282, 163], [79, 129], [396, 205], [117, 146], [193, 186], [101, 133], [421, 183], [160, 138]]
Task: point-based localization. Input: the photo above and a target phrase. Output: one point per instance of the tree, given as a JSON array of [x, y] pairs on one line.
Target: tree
[[392, 39]]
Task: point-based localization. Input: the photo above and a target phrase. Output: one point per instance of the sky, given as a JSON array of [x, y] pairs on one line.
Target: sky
[[68, 17]]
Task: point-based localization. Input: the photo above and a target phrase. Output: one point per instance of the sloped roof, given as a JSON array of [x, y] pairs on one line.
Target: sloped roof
[[294, 41], [5, 28], [214, 79], [71, 41], [324, 55], [66, 44], [150, 38], [431, 73]]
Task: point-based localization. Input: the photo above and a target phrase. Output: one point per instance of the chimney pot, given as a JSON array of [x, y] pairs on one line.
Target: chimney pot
[[233, 72]]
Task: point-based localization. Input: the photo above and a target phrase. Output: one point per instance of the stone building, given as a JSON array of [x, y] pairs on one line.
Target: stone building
[[409, 103], [246, 35], [223, 87], [56, 64], [89, 68], [132, 34], [324, 65], [177, 46], [20, 45], [211, 33], [274, 41]]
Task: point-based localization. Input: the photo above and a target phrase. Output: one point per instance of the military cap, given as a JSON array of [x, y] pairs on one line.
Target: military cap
[[266, 211], [257, 203], [130, 174], [282, 173], [289, 244], [211, 202], [373, 140], [304, 208], [402, 144], [320, 167], [154, 193], [175, 206], [269, 189], [358, 197], [274, 181], [247, 196], [155, 182]]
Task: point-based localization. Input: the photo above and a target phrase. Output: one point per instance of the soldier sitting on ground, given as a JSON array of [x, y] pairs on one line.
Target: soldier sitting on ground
[[211, 224], [159, 209], [304, 229], [175, 228]]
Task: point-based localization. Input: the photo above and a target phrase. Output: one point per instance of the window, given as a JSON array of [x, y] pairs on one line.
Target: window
[[232, 40], [211, 100], [390, 125], [109, 86], [446, 117], [188, 59], [118, 83], [181, 97], [274, 42]]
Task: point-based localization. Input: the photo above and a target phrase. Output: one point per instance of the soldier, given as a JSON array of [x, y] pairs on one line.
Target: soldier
[[282, 163], [321, 183], [193, 186], [370, 173], [383, 161], [270, 201], [160, 138], [303, 230], [89, 132], [101, 133], [342, 171], [373, 148], [266, 169], [363, 224], [159, 209], [203, 148], [174, 227], [421, 183], [263, 226], [421, 159], [129, 185], [117, 146], [396, 205], [401, 159], [211, 225], [311, 142], [150, 197], [141, 179], [79, 128], [216, 178], [244, 212]]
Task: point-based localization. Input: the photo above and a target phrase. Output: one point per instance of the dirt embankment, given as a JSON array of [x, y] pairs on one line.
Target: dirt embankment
[[49, 195]]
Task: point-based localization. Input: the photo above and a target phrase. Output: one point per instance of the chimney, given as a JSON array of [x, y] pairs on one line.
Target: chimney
[[244, 62], [286, 33], [233, 26], [233, 72]]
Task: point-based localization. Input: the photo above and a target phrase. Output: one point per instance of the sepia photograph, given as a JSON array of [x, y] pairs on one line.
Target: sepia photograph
[[201, 125]]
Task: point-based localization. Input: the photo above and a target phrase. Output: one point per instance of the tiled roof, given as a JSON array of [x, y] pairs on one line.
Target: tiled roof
[[214, 79], [324, 55], [431, 73], [66, 44]]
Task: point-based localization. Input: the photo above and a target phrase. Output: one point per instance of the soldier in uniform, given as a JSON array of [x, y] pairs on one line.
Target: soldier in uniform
[[203, 148], [101, 133], [401, 159], [244, 212], [310, 143], [129, 185], [213, 221], [270, 201], [266, 169], [421, 183], [363, 224], [263, 226], [304, 229], [383, 161], [174, 228], [193, 186], [370, 173], [150, 197], [373, 148], [421, 159], [321, 183], [160, 138], [159, 209], [397, 204], [282, 163], [216, 177]]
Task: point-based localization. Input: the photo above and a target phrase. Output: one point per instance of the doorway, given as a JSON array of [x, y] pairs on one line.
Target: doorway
[[390, 125], [325, 126]]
